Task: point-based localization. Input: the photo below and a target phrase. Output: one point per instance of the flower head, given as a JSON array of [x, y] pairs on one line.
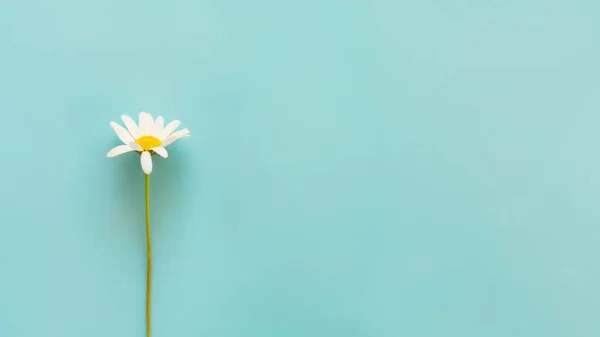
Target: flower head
[[148, 138]]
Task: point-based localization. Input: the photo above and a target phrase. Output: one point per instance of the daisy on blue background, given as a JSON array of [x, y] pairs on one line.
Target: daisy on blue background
[[147, 138]]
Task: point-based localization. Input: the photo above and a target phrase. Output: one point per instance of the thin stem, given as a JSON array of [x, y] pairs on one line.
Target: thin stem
[[149, 254]]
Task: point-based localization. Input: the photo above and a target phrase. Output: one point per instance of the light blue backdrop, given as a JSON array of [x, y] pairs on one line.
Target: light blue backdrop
[[357, 168]]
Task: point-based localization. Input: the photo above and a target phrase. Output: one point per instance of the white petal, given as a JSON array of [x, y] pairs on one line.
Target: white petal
[[123, 134], [146, 160], [159, 124], [146, 123], [131, 126], [119, 150], [179, 134], [135, 146], [161, 151], [168, 130]]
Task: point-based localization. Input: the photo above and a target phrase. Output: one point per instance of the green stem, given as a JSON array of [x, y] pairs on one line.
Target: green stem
[[149, 254]]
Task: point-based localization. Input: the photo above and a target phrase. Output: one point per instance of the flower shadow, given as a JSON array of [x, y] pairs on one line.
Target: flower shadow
[[170, 191], [169, 195]]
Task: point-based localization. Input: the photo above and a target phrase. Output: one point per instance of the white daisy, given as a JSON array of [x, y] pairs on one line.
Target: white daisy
[[150, 137]]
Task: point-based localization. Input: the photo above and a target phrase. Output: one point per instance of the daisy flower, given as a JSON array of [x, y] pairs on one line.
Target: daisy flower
[[148, 138]]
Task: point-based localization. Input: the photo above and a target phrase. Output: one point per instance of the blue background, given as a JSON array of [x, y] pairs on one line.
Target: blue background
[[356, 168]]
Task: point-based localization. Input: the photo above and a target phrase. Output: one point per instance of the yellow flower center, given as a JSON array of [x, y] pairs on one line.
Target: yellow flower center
[[148, 142]]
